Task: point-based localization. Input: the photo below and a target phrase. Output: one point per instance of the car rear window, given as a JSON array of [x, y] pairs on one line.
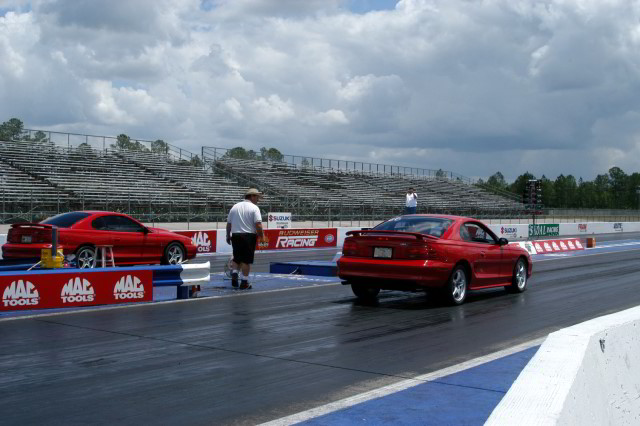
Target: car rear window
[[65, 220], [424, 225]]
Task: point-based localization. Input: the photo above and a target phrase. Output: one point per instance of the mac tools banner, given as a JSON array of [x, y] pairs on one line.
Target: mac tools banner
[[204, 240], [62, 290]]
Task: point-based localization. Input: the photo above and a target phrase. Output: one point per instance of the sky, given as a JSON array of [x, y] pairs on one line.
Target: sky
[[471, 86]]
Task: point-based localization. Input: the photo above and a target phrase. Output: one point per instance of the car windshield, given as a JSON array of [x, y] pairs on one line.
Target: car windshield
[[65, 220], [424, 225]]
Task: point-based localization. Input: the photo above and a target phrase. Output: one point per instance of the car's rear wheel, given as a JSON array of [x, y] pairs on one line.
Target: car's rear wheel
[[174, 254], [86, 257], [519, 279], [456, 290], [365, 292]]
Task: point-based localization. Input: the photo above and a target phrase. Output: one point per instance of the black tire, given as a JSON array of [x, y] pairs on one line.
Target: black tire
[[519, 278], [85, 257], [365, 292], [457, 286], [174, 254]]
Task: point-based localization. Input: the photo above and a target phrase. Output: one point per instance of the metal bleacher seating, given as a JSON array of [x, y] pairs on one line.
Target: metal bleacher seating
[[142, 182]]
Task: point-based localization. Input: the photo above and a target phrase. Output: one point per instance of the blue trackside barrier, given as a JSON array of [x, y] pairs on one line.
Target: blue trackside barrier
[[308, 267], [181, 276]]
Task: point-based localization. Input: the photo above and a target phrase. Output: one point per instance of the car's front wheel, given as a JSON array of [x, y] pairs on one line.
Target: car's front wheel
[[86, 257], [519, 279], [365, 292], [174, 254], [456, 290]]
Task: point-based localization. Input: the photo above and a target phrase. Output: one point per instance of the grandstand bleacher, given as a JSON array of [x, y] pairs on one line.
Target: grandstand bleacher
[[42, 178]]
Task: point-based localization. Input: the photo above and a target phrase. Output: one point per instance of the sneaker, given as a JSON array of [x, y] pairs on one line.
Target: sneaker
[[244, 285], [234, 279]]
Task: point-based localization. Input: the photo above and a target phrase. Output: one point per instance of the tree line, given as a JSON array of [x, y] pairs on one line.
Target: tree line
[[612, 190], [13, 130]]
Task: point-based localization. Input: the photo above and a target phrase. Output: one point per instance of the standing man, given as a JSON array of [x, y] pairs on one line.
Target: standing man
[[412, 202], [244, 227]]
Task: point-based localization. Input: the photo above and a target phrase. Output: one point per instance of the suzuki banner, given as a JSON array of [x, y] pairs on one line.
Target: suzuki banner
[[204, 240], [279, 239], [71, 289], [279, 220]]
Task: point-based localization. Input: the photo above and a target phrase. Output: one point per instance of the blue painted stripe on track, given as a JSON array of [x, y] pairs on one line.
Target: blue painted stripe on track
[[467, 397]]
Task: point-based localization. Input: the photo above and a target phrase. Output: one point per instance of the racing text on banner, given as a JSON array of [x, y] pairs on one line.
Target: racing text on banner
[[287, 239]]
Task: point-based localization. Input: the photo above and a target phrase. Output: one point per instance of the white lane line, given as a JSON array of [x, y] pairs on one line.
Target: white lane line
[[163, 302], [396, 387]]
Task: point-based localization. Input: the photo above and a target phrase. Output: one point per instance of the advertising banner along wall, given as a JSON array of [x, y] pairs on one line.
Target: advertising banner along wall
[[205, 240], [286, 239], [544, 230], [71, 289], [279, 220]]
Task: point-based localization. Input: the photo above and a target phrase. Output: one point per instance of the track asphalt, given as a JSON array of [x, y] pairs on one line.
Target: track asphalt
[[463, 394]]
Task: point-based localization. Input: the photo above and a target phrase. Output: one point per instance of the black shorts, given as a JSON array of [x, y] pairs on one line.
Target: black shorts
[[244, 247]]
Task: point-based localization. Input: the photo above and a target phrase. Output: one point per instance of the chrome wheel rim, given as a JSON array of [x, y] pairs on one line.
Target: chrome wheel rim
[[86, 258], [459, 281], [175, 255], [521, 275]]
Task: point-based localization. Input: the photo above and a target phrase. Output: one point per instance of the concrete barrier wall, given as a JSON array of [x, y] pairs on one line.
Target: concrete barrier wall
[[588, 374]]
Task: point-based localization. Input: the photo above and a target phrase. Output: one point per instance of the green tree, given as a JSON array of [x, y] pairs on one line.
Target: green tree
[[160, 147], [237, 152], [441, 173], [602, 188], [305, 163], [39, 136], [11, 130], [497, 181], [196, 161], [271, 154], [521, 182], [618, 183], [123, 142]]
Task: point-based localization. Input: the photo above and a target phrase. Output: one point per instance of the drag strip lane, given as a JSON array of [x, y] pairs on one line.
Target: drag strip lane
[[261, 356]]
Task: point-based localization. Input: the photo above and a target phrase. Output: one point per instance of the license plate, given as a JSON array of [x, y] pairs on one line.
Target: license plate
[[383, 252], [26, 239]]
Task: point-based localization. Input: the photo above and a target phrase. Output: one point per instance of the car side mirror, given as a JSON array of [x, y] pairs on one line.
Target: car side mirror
[[145, 230], [503, 241]]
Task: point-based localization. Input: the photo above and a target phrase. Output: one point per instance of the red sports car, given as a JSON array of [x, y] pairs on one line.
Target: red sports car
[[450, 254], [80, 232]]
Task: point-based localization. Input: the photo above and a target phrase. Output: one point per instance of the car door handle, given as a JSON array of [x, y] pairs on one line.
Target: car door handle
[[117, 239], [482, 253]]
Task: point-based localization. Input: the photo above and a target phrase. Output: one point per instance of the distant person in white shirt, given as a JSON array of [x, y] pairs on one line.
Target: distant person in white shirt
[[412, 202], [244, 227]]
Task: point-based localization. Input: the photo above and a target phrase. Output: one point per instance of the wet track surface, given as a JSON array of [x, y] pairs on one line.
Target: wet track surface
[[255, 357]]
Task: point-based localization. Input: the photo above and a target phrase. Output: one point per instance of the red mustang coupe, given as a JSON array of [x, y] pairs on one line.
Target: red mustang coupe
[[80, 232], [450, 254]]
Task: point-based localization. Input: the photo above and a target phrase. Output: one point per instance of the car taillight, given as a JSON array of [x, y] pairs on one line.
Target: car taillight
[[423, 251], [350, 247]]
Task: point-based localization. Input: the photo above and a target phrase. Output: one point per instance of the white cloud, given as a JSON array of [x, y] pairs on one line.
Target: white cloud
[[469, 86]]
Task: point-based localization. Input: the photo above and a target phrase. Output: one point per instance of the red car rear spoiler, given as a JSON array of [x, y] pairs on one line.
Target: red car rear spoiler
[[418, 235], [32, 225]]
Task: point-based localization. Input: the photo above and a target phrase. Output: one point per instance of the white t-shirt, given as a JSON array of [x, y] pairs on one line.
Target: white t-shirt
[[243, 217], [411, 200]]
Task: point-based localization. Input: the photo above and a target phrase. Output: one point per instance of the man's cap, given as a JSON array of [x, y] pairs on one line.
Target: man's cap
[[252, 191]]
